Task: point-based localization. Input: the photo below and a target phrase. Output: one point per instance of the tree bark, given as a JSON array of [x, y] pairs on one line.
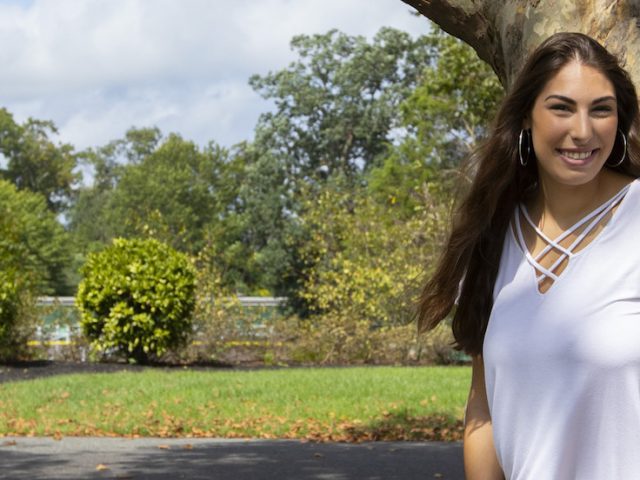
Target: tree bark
[[504, 32]]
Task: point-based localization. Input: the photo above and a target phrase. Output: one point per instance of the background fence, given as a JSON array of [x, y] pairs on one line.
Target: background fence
[[60, 318]]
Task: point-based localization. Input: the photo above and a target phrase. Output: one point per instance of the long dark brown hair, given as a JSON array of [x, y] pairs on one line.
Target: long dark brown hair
[[468, 267]]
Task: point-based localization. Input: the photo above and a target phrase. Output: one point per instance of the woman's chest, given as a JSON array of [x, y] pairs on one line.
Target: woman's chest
[[591, 315]]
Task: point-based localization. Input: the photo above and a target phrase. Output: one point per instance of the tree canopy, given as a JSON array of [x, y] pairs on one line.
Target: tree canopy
[[364, 133], [32, 240], [36, 163]]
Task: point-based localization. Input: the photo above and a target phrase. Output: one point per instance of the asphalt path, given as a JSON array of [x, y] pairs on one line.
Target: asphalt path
[[219, 459]]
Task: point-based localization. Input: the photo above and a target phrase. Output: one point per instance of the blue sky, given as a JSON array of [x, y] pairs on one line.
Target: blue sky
[[98, 67]]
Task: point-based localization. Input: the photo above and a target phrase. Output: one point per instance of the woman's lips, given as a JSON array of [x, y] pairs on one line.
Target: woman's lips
[[578, 162]]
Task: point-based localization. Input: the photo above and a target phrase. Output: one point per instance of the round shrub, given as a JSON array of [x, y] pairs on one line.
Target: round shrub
[[136, 298]]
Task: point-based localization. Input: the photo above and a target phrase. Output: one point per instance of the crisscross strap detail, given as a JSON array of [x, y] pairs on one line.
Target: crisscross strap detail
[[595, 216]]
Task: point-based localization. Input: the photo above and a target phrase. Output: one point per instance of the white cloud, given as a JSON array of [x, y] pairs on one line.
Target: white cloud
[[98, 67]]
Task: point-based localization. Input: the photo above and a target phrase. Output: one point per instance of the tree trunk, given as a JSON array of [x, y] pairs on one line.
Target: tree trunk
[[504, 32]]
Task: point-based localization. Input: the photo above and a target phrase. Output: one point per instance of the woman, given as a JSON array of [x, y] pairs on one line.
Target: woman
[[544, 266]]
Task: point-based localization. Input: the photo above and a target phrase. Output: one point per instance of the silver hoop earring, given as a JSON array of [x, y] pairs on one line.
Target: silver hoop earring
[[624, 153], [524, 161]]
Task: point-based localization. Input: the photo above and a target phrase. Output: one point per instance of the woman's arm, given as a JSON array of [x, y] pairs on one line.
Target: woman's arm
[[480, 461]]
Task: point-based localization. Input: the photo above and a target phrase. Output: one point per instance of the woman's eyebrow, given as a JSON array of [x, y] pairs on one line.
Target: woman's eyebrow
[[573, 102]]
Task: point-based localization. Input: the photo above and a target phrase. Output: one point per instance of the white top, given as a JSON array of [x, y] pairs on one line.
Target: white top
[[562, 368]]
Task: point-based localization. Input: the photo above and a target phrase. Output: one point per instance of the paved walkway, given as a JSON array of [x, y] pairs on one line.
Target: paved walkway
[[171, 459]]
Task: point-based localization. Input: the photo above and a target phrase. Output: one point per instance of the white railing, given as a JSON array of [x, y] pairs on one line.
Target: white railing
[[62, 334]]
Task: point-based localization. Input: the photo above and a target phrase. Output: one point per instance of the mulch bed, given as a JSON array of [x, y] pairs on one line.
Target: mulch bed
[[18, 371], [28, 370]]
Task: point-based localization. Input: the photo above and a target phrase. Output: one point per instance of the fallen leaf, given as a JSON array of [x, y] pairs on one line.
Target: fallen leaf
[[101, 467], [187, 446], [164, 447], [318, 455], [9, 443]]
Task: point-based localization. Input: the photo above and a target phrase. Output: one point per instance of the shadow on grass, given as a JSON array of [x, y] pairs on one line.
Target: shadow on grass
[[402, 426]]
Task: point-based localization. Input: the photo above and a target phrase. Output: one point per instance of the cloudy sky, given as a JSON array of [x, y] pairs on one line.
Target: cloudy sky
[[98, 67]]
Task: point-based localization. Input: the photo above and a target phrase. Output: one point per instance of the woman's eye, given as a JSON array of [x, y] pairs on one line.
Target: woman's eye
[[561, 107], [603, 109]]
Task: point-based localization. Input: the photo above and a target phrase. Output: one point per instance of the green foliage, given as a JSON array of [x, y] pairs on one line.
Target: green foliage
[[36, 163], [18, 271], [218, 315], [169, 190], [337, 104], [33, 238], [17, 309], [335, 340], [262, 225], [336, 108], [445, 117], [137, 298], [449, 110], [367, 263], [393, 114]]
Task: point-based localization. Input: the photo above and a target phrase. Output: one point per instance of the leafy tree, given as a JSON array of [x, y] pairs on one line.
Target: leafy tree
[[36, 163], [17, 286], [264, 221], [444, 118], [166, 188], [336, 109], [169, 194], [17, 322], [91, 220], [393, 114], [337, 104], [34, 239], [346, 108]]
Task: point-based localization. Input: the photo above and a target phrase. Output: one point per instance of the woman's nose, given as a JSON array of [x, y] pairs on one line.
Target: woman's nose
[[581, 128]]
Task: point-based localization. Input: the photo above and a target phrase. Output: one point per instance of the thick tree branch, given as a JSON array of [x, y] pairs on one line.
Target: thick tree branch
[[503, 33]]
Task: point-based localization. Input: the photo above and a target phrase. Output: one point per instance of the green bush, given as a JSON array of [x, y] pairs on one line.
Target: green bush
[[343, 340], [17, 312], [23, 224], [136, 299]]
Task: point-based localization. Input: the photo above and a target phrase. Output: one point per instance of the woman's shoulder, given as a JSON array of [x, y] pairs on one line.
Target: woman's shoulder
[[630, 183], [617, 182], [629, 205]]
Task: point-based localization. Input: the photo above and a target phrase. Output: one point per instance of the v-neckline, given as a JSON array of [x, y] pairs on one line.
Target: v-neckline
[[540, 273]]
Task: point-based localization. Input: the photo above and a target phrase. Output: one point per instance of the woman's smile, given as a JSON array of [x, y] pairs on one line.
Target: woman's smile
[[578, 157]]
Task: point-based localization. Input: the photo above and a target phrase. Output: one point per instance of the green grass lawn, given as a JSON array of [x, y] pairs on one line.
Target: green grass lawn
[[338, 404]]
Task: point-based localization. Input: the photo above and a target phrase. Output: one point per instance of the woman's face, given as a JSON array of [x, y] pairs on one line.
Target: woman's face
[[573, 125]]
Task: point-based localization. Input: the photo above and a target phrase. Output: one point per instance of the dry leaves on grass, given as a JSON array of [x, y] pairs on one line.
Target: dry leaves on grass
[[388, 427]]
